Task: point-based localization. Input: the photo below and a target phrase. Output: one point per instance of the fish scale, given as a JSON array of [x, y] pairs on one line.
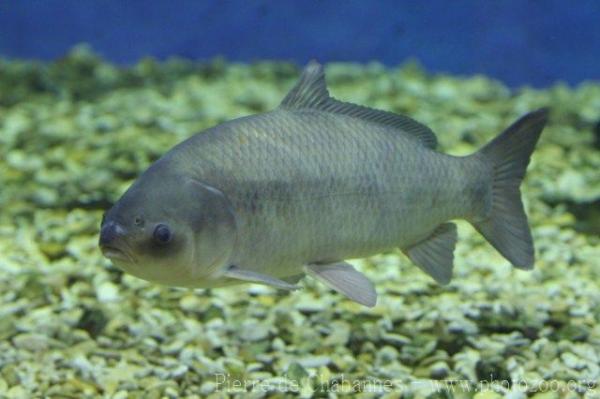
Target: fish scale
[[330, 188]]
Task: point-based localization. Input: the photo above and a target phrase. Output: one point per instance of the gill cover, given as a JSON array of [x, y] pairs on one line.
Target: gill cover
[[215, 231]]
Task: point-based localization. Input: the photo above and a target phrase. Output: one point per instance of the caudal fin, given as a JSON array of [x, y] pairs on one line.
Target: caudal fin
[[506, 227]]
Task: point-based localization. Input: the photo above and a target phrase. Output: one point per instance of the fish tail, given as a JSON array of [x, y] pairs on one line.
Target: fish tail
[[505, 226]]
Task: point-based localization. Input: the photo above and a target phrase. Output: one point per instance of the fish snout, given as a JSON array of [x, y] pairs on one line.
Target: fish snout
[[110, 232], [111, 240]]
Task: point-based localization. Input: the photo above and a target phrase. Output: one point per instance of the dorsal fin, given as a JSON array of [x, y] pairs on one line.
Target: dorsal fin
[[311, 93]]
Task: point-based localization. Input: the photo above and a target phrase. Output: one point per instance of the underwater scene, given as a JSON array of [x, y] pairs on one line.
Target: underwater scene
[[77, 321]]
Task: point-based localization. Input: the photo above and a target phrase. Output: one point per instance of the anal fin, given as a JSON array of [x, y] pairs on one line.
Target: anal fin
[[346, 280], [435, 254]]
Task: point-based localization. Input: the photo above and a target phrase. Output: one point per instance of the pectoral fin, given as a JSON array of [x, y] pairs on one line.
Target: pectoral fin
[[435, 254], [343, 278], [293, 279], [250, 276]]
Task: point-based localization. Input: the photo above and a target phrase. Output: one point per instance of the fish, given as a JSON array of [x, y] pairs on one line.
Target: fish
[[297, 191]]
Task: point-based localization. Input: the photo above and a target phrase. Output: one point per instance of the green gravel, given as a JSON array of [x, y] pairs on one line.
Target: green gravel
[[74, 134]]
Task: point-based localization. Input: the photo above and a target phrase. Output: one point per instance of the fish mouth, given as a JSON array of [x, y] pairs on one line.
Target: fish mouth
[[113, 253]]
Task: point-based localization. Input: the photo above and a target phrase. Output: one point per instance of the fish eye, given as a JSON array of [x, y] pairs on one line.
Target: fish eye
[[138, 221], [162, 234]]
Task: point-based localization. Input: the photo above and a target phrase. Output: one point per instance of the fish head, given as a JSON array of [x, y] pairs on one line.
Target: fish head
[[170, 230]]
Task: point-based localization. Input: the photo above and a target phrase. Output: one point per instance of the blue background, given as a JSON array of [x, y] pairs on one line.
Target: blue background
[[519, 42]]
